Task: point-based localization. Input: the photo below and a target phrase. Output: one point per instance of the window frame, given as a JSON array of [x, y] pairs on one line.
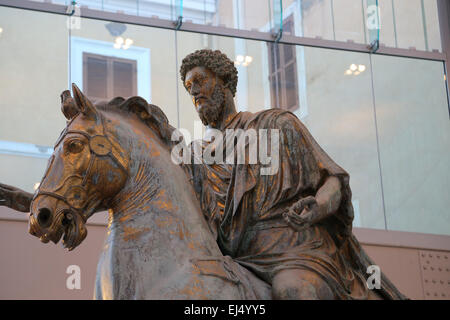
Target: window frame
[[142, 56], [277, 73], [110, 76]]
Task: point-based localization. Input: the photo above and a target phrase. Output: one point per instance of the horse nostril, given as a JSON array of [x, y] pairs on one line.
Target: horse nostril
[[44, 217]]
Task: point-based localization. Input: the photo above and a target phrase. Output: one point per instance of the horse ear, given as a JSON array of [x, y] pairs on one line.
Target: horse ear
[[68, 106], [86, 107]]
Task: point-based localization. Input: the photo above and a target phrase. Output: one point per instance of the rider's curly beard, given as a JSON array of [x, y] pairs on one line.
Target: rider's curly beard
[[210, 113]]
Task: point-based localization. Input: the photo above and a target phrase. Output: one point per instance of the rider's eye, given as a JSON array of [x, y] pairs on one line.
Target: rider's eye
[[75, 146]]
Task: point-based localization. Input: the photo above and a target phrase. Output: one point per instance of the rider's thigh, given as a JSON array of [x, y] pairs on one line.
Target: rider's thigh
[[300, 284]]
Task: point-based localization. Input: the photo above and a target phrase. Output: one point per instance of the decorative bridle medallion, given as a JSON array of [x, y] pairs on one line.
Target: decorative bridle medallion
[[100, 145]]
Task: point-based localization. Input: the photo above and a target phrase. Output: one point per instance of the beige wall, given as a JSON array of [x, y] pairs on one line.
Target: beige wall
[[33, 270], [33, 72]]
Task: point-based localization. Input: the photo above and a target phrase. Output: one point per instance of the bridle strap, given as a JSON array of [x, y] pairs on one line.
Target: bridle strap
[[63, 199], [90, 165]]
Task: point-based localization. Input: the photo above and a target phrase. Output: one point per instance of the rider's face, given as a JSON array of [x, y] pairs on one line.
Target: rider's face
[[206, 93]]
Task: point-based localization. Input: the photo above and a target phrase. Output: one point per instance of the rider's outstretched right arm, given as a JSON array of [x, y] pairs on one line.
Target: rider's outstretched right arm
[[15, 198]]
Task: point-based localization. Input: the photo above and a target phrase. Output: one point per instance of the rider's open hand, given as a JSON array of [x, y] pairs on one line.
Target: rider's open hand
[[302, 214]]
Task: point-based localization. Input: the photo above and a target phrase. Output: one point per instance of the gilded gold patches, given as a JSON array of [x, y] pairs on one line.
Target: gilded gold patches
[[76, 197]]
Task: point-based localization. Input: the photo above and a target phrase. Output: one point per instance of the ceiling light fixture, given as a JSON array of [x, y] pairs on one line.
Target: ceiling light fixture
[[121, 43], [244, 61], [128, 43], [355, 69]]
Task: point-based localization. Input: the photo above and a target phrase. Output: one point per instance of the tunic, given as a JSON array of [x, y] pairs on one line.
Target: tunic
[[244, 208]]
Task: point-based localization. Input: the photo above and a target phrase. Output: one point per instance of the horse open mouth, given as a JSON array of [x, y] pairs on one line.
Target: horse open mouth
[[67, 225], [74, 230]]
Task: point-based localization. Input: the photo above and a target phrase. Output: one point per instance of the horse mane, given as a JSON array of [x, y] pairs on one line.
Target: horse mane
[[150, 114]]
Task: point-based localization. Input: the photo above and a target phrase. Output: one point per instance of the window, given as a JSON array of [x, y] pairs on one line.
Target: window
[[283, 72], [104, 72], [106, 77]]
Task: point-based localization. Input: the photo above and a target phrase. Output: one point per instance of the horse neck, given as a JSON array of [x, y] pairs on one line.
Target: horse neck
[[158, 205]]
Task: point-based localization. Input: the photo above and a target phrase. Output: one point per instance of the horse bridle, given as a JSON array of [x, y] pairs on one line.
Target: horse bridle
[[76, 197]]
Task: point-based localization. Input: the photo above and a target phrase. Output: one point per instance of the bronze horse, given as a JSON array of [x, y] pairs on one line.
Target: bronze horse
[[116, 156]]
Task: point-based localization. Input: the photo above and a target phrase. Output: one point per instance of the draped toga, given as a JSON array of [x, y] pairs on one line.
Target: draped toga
[[244, 209]]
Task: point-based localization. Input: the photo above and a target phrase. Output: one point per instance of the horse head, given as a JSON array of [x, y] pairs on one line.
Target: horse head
[[88, 167]]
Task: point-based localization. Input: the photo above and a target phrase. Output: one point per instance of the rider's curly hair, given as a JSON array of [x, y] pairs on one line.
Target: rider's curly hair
[[215, 61]]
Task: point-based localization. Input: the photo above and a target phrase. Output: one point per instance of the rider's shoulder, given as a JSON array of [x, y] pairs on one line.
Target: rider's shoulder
[[276, 118]]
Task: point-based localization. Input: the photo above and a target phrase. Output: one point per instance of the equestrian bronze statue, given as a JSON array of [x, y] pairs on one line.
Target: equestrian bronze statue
[[200, 229]]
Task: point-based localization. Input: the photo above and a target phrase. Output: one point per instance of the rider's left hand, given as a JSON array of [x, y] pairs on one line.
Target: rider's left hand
[[302, 214]]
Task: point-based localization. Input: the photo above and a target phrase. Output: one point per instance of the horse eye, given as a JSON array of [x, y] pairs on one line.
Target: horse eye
[[75, 146]]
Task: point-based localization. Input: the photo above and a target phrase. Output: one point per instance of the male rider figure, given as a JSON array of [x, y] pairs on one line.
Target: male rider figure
[[291, 228]]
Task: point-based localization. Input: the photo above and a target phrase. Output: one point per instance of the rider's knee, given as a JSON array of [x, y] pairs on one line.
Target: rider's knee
[[300, 290], [299, 285]]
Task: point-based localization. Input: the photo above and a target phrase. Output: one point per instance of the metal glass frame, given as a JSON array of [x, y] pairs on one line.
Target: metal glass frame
[[443, 12], [229, 32]]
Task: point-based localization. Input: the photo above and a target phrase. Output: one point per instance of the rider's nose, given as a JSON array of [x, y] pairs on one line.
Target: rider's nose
[[194, 90], [44, 217]]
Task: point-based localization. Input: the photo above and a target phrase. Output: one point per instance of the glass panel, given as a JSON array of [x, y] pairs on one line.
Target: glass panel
[[371, 13], [121, 6], [273, 91], [22, 172], [237, 14], [317, 19], [349, 20], [388, 33], [283, 60], [152, 50], [33, 73], [331, 91], [96, 71], [124, 78], [414, 137], [91, 4], [410, 23], [339, 112], [291, 87], [277, 15], [430, 15], [404, 23], [149, 8]]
